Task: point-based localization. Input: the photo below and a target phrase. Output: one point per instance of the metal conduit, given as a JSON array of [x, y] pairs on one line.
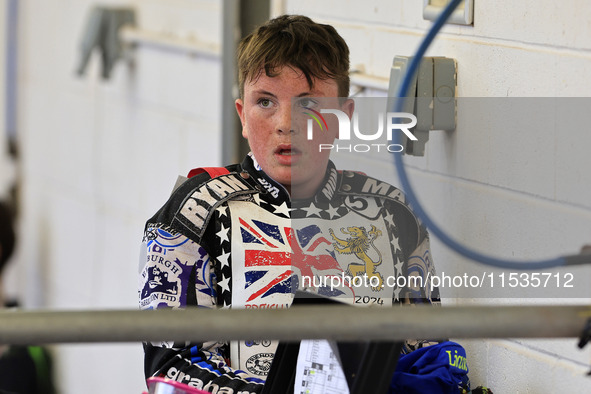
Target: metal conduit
[[191, 46], [363, 80], [330, 322]]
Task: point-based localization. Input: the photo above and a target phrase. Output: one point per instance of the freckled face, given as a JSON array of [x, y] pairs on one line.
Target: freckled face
[[280, 146]]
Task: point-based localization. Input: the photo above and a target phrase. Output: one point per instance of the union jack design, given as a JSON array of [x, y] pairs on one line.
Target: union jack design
[[277, 256]]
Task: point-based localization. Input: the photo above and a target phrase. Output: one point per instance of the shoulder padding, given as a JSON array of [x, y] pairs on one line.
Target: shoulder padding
[[360, 184], [355, 184], [193, 203], [212, 171]]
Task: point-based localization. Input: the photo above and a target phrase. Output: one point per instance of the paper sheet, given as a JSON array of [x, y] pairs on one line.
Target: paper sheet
[[319, 369]]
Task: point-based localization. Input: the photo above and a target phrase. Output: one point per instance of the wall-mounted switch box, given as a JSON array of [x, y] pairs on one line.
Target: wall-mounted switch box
[[431, 97]]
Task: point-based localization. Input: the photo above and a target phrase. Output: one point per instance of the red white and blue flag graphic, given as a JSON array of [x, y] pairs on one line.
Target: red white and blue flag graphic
[[267, 258], [277, 257]]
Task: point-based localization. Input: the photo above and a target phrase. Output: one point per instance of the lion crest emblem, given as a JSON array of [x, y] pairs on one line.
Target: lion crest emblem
[[358, 244]]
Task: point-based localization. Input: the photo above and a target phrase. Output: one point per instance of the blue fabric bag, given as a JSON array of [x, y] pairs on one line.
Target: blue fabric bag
[[440, 368]]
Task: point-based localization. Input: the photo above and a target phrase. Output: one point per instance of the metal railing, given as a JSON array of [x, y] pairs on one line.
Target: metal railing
[[329, 322]]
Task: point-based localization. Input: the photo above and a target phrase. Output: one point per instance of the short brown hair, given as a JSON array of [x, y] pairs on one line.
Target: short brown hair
[[298, 42]]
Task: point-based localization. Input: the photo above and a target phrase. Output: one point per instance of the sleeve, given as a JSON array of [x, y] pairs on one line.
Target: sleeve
[[176, 272], [412, 248], [420, 265]]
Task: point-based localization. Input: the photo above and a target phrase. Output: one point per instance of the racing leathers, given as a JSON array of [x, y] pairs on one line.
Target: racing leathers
[[236, 240]]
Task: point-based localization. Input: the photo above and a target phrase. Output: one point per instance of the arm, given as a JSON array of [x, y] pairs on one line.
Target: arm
[[178, 273], [420, 263]]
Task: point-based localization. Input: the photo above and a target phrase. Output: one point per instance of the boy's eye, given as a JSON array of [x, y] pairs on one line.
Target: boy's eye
[[306, 102], [265, 103]]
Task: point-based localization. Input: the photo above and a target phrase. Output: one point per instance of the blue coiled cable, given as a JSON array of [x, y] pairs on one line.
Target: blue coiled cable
[[412, 198]]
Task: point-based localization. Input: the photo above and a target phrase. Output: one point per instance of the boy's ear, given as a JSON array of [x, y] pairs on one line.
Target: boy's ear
[[240, 109], [348, 107]]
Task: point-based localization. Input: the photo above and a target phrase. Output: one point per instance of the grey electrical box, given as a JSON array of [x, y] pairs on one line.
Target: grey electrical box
[[431, 97]]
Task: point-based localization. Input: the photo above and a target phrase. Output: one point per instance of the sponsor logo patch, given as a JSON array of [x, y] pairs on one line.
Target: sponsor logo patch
[[260, 363]]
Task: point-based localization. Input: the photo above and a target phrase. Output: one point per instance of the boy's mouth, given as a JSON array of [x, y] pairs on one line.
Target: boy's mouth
[[287, 155], [285, 150]]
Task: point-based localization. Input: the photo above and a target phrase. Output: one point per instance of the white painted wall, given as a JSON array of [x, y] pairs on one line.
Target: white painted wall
[[521, 195], [99, 157], [6, 164]]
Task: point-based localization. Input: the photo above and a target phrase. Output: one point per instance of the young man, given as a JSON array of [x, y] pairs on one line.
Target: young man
[[284, 218]]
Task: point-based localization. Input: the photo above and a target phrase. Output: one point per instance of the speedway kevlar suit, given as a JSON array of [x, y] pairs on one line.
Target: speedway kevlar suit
[[237, 240]]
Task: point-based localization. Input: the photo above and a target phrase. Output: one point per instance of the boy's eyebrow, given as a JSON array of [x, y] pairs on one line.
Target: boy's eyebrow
[[264, 92], [267, 93]]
